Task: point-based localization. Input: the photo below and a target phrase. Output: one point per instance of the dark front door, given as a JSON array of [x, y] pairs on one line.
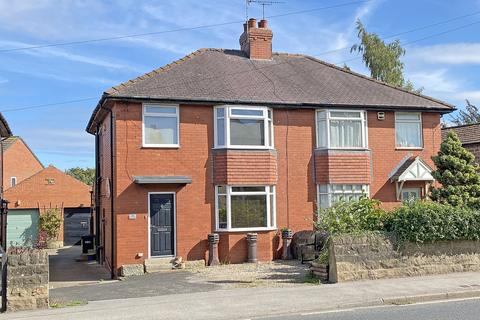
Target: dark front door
[[162, 222]]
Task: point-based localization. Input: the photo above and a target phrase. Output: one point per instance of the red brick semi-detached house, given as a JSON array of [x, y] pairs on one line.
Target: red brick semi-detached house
[[237, 141]]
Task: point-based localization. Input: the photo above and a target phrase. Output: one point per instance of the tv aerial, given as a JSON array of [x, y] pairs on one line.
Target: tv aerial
[[262, 3]]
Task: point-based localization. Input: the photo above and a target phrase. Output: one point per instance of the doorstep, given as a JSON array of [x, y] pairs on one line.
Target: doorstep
[[159, 264]]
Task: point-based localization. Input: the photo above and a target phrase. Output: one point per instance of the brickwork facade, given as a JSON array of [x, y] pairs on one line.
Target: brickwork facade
[[294, 167]]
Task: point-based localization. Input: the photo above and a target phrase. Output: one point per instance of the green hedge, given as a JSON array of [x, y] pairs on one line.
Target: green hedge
[[427, 221], [419, 221], [351, 217]]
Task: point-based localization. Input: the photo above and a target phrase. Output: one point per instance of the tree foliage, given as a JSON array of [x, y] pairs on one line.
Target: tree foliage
[[382, 59], [458, 173], [86, 175], [50, 223], [470, 115]]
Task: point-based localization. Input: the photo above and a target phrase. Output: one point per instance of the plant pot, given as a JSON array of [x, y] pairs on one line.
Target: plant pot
[[287, 234]]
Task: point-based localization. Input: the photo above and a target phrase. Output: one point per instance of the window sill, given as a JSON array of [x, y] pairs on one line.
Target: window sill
[[245, 230], [244, 148], [343, 149], [408, 148], [169, 146]]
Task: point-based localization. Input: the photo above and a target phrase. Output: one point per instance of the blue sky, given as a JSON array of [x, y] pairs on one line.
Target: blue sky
[[447, 66]]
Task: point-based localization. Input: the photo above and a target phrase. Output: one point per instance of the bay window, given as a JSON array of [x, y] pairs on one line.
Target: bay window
[[408, 130], [328, 194], [243, 127], [245, 208], [160, 125], [341, 129]]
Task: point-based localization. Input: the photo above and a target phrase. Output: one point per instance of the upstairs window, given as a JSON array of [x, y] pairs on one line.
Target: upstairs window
[[338, 129], [13, 181], [160, 125], [408, 130], [243, 127]]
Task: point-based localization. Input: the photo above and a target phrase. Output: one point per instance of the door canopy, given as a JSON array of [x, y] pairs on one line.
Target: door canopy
[[413, 169]]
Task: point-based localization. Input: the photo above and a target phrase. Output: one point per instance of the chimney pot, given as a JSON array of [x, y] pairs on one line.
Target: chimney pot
[[252, 23], [262, 24]]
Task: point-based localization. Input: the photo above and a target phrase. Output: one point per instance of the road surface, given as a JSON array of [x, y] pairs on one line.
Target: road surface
[[443, 310]]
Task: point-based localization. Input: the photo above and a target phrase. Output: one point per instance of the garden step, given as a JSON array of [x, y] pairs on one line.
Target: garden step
[[158, 265]]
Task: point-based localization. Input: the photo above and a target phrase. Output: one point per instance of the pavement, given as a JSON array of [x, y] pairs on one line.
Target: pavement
[[252, 303]]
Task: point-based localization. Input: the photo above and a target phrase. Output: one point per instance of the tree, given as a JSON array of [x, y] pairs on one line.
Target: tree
[[470, 115], [458, 173], [382, 59], [86, 175]]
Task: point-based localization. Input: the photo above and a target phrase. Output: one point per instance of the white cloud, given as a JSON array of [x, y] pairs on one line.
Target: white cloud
[[435, 80], [452, 54], [63, 54]]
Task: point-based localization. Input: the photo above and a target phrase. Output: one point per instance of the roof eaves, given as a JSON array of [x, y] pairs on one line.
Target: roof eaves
[[450, 106]]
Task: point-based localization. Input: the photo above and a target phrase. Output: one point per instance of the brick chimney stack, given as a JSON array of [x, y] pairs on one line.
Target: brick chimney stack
[[255, 41]]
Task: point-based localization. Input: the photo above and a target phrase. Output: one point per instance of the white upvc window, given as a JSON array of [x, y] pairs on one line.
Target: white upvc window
[[245, 208], [341, 129], [408, 130], [241, 127], [160, 126], [13, 181], [410, 194], [328, 194]]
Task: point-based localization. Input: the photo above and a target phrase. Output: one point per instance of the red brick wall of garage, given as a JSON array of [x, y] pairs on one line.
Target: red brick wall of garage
[[19, 162], [35, 192], [385, 157]]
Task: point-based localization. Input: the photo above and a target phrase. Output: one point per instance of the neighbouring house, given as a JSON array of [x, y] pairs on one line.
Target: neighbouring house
[[469, 135], [19, 161], [5, 132], [237, 141], [46, 189]]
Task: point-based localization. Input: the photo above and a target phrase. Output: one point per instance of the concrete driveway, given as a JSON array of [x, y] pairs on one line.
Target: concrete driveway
[[67, 269], [76, 280]]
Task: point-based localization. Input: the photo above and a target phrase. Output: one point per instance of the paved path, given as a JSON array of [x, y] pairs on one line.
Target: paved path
[[66, 270], [260, 302], [445, 310]]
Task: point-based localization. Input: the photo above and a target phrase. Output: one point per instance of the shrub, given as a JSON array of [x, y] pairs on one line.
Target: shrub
[[427, 221], [50, 223], [458, 173], [353, 216]]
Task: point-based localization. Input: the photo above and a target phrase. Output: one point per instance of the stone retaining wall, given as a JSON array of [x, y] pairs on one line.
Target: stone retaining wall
[[378, 255], [27, 280]]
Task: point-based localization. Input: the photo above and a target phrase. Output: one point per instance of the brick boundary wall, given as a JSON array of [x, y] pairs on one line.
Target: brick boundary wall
[[27, 280]]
